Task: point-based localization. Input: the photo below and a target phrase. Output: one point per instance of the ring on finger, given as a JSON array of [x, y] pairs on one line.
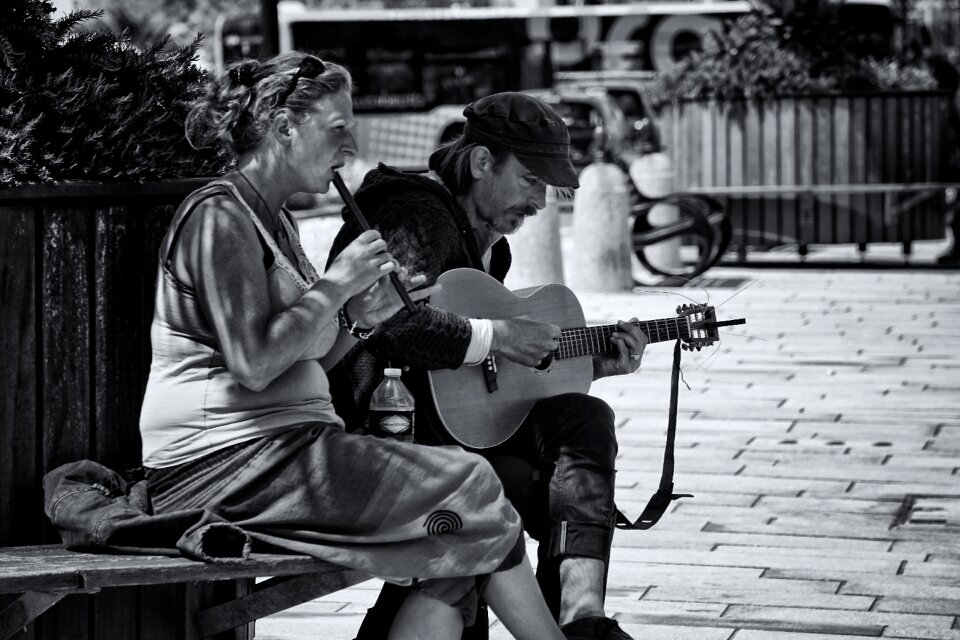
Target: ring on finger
[[634, 356]]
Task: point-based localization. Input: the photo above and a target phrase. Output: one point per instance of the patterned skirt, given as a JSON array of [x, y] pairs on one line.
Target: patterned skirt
[[407, 513]]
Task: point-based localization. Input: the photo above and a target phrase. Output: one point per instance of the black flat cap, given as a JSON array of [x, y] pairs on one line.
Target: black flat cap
[[530, 129]]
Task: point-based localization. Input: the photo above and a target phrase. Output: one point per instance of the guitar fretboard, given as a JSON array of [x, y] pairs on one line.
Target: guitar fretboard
[[586, 341]]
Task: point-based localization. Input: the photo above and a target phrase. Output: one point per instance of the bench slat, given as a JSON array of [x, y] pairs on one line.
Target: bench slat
[[273, 596], [44, 568], [25, 610]]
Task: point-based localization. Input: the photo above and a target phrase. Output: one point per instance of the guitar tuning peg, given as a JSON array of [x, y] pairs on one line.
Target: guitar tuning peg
[[698, 347], [679, 308]]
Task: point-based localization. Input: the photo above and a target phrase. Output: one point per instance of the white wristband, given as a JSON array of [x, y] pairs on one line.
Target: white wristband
[[481, 337]]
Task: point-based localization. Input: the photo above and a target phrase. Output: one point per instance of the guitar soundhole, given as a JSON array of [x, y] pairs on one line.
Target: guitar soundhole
[[544, 366]]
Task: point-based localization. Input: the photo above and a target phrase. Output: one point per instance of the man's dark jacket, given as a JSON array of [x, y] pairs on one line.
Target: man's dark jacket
[[429, 233]]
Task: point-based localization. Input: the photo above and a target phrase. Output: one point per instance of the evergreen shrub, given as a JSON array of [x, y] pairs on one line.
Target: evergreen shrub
[[87, 105]]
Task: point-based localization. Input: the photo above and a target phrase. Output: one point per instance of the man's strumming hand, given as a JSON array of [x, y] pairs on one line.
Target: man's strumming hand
[[524, 341]]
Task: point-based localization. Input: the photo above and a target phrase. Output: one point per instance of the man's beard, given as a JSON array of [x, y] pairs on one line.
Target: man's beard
[[513, 217], [524, 210], [510, 220]]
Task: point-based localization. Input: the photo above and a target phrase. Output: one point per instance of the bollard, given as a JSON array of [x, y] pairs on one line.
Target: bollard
[[600, 257], [652, 174], [537, 258]]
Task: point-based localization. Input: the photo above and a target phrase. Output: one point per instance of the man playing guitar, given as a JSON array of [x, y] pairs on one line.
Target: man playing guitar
[[558, 468]]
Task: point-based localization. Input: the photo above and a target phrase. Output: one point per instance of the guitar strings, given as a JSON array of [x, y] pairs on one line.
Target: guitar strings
[[707, 361], [743, 335], [689, 281], [742, 289], [582, 340]]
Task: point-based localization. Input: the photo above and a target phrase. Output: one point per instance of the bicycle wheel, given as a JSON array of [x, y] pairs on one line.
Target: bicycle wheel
[[703, 229]]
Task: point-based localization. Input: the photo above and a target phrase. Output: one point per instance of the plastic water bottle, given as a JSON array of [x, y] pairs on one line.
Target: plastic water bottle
[[391, 408]]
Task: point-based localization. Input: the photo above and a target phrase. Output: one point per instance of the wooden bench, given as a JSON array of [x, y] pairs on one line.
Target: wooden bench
[[44, 575]]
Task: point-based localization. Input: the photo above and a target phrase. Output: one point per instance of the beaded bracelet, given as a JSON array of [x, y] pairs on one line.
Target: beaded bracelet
[[351, 327]]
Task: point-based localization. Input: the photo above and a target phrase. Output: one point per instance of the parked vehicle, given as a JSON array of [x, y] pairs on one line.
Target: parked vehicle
[[628, 90]]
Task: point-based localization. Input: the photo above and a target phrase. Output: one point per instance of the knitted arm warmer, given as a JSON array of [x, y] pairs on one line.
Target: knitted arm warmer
[[422, 236]]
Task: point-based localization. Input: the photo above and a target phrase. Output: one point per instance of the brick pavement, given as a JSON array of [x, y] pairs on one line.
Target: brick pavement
[[822, 443]]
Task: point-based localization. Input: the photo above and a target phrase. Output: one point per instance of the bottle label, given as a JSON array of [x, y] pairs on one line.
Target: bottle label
[[396, 424]]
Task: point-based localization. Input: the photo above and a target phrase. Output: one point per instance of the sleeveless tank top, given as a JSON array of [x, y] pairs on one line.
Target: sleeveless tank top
[[193, 405]]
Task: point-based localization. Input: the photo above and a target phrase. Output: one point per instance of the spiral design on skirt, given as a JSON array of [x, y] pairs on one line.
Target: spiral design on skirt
[[442, 521]]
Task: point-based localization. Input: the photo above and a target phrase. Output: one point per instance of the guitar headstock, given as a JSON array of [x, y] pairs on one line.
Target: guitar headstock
[[702, 325]]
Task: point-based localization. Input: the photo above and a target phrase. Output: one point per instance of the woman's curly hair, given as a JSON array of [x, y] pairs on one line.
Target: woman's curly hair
[[240, 102]]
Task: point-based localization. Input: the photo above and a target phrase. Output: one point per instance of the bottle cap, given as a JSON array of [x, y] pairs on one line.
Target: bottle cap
[[393, 373]]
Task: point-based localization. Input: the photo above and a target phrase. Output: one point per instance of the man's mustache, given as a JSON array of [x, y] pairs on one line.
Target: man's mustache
[[525, 210]]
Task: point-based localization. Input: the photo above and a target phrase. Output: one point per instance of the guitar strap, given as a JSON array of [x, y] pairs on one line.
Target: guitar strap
[[661, 500]]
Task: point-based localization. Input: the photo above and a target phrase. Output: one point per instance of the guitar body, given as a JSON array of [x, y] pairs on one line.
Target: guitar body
[[472, 415]]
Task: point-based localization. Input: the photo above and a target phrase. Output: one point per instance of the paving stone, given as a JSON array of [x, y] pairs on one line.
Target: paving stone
[[697, 460], [763, 558], [705, 540], [292, 625], [789, 445], [675, 632], [895, 491], [899, 625], [855, 583], [934, 569], [762, 594], [754, 634], [832, 455], [876, 429], [831, 548], [652, 573], [655, 606], [632, 499], [930, 458], [853, 471], [945, 558], [771, 485], [853, 526], [945, 606], [814, 626], [780, 504], [942, 552]]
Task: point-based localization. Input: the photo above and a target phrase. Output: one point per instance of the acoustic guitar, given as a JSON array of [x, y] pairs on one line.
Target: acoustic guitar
[[481, 406]]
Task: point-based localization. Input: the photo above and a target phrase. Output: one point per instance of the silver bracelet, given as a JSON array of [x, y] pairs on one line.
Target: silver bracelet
[[352, 328]]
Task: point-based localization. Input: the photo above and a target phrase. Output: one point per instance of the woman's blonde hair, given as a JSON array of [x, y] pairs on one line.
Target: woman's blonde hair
[[240, 102]]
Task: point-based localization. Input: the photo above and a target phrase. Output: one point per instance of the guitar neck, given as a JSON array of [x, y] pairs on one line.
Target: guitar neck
[[586, 341]]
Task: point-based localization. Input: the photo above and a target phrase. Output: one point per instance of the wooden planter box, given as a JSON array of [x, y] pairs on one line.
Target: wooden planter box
[[77, 269], [775, 149]]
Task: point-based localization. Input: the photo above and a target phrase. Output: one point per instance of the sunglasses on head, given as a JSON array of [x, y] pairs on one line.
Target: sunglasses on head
[[310, 67]]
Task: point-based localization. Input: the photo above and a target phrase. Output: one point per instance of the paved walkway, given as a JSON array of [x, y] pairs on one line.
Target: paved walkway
[[822, 443]]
